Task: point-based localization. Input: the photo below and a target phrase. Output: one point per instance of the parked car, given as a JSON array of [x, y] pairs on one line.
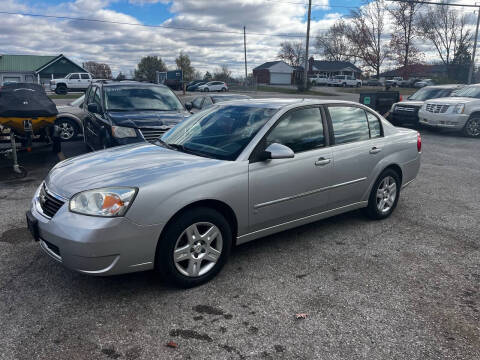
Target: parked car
[[319, 80], [393, 82], [408, 83], [423, 83], [460, 112], [373, 82], [205, 101], [344, 81], [213, 86], [192, 85], [70, 119], [71, 82], [119, 113], [227, 175], [406, 112]]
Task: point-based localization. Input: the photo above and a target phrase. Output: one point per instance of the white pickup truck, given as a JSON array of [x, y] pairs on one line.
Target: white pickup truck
[[71, 82], [344, 80], [318, 80]]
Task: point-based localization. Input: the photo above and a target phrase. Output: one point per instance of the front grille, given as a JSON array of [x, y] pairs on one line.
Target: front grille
[[153, 134], [437, 108], [49, 203], [406, 108]]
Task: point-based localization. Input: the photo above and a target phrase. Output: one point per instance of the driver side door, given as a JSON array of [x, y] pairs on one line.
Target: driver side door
[[283, 190]]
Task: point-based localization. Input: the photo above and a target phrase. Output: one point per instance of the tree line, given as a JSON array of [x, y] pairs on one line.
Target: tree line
[[378, 32]]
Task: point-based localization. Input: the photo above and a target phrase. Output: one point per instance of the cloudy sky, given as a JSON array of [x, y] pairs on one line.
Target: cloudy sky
[[122, 45]]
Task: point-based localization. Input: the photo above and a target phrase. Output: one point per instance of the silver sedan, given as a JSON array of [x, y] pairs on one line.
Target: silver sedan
[[232, 173]]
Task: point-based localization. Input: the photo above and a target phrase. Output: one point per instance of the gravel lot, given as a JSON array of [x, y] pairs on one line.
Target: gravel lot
[[404, 288]]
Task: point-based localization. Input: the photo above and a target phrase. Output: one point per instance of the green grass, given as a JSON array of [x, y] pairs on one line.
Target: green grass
[[293, 91], [403, 91], [68, 96]]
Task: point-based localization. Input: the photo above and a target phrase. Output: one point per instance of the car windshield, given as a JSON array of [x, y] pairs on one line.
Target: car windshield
[[469, 91], [130, 98], [78, 101], [430, 93], [339, 77], [220, 132]]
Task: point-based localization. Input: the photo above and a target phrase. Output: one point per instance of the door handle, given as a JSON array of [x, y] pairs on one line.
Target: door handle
[[375, 150], [322, 161]]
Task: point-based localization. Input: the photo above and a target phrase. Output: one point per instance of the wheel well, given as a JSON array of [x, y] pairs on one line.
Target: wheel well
[[74, 122], [397, 169], [475, 113], [220, 206], [61, 84]]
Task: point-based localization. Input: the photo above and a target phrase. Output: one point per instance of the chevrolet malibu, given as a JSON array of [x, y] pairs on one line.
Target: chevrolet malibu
[[232, 173]]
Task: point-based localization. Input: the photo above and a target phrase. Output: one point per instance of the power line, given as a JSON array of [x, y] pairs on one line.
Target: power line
[[434, 3], [150, 26], [314, 5]]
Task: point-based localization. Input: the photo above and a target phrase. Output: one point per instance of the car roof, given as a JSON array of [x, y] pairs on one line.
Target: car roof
[[109, 83], [279, 103], [446, 86]]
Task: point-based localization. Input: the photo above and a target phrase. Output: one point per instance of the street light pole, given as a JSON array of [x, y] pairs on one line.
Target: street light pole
[[245, 52], [472, 65], [306, 50]]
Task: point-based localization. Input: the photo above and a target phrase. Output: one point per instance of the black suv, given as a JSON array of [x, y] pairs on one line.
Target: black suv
[[119, 113]]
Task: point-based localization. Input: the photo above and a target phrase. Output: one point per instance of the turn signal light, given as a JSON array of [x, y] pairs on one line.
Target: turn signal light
[[419, 142]]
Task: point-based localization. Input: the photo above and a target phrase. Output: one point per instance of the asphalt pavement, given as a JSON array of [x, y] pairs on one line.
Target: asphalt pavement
[[407, 287]]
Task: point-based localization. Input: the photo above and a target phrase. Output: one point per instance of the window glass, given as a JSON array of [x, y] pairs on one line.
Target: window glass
[[300, 130], [207, 102], [349, 124], [96, 98], [90, 94], [74, 77], [144, 97], [85, 76], [197, 102], [374, 124], [221, 132]]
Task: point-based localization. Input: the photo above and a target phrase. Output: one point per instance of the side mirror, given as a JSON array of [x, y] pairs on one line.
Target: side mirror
[[278, 151], [93, 108], [188, 106]]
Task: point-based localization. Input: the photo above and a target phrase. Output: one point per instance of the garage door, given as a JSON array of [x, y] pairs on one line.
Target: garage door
[[280, 78]]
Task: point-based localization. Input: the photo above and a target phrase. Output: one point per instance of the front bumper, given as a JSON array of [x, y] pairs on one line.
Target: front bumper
[[403, 118], [96, 245], [446, 121]]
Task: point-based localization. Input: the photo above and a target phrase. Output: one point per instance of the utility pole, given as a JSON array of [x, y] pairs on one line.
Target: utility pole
[[245, 52], [472, 65], [306, 50]]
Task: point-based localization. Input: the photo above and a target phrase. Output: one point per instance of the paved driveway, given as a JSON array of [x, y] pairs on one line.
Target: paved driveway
[[404, 288]]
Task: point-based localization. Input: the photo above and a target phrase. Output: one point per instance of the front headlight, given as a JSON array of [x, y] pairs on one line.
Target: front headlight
[[393, 108], [123, 132], [106, 202], [459, 109]]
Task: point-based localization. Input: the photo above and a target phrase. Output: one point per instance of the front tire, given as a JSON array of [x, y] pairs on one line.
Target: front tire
[[206, 90], [472, 127], [194, 247], [68, 129], [61, 90], [384, 195]]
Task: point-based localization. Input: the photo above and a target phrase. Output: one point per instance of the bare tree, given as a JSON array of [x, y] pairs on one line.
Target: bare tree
[[334, 44], [98, 70], [446, 29], [223, 74], [184, 64], [404, 16], [366, 34], [292, 52]]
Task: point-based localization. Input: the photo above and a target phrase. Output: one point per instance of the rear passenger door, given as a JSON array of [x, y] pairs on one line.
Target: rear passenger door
[[74, 81], [357, 138]]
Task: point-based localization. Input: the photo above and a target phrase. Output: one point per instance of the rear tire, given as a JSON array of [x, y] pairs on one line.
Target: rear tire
[[472, 127], [384, 195], [224, 89], [68, 129], [186, 254]]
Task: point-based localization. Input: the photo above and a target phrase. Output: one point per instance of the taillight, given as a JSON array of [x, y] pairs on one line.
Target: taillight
[[401, 97], [419, 142]]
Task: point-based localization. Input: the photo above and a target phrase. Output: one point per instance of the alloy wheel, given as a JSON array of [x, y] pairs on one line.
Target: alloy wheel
[[386, 194], [472, 128], [66, 130], [198, 249]]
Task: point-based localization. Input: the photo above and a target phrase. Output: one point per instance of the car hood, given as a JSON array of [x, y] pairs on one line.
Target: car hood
[[133, 165], [452, 100], [144, 119]]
